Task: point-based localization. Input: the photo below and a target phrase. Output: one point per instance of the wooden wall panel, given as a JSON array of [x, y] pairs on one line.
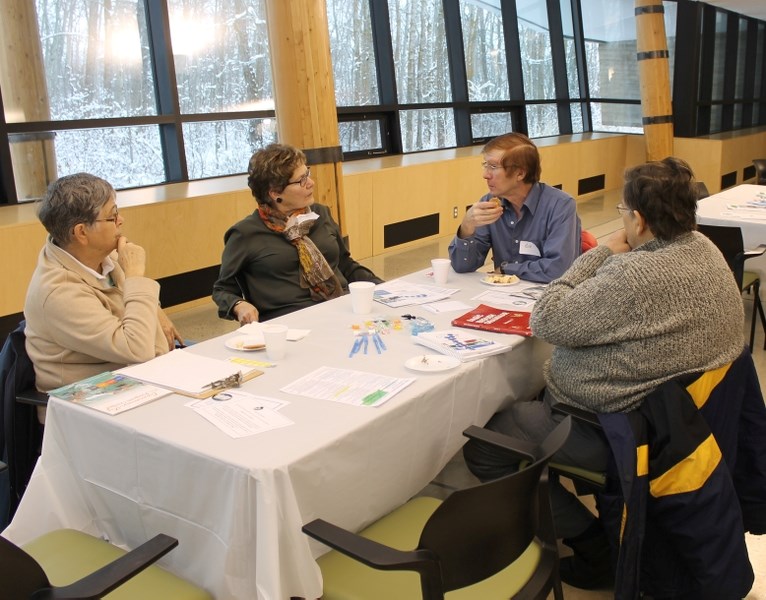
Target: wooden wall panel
[[20, 246], [715, 155], [357, 192], [635, 152], [583, 157], [704, 157], [183, 235]]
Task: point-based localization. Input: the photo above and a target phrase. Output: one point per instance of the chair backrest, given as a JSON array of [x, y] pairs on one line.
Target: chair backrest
[[729, 241], [760, 170], [20, 435], [19, 572], [702, 191], [478, 531], [588, 241]]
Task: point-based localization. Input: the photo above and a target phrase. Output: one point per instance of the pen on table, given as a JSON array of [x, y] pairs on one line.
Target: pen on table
[[376, 342], [380, 341], [357, 344]]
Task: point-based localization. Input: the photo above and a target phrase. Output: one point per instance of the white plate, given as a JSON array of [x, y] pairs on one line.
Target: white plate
[[432, 362], [241, 342], [486, 281]]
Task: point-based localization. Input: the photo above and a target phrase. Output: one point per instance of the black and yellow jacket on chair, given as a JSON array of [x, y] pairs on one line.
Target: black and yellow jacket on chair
[[691, 467]]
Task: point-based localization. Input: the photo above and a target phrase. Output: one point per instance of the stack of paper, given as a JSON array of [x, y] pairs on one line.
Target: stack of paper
[[190, 374]]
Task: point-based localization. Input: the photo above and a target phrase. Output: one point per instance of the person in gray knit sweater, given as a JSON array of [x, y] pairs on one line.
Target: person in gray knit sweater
[[655, 301]]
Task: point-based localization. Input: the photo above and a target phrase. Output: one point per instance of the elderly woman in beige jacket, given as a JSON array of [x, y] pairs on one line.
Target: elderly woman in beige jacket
[[89, 307]]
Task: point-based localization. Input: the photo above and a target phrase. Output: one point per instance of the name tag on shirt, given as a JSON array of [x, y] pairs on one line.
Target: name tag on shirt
[[528, 248]]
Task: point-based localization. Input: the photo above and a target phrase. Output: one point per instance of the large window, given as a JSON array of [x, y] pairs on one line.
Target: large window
[[221, 60], [94, 91], [484, 43], [94, 64], [144, 92], [613, 76], [355, 73], [419, 44], [486, 66]]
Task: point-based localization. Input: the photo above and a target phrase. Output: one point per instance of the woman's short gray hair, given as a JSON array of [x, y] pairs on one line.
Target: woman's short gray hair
[[70, 200]]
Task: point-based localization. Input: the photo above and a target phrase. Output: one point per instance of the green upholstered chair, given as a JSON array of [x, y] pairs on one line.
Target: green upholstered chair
[[70, 564], [492, 540], [729, 241]]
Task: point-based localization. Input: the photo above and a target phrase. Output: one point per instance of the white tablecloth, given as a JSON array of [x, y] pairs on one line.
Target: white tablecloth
[[716, 210], [237, 505]]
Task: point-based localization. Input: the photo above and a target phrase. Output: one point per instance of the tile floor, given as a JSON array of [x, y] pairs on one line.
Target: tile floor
[[599, 216]]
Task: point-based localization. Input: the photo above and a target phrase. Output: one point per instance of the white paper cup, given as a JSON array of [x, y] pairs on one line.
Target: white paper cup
[[441, 267], [361, 296], [275, 337]]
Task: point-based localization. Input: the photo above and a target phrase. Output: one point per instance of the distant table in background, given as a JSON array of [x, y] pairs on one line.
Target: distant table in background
[[237, 505], [714, 210]]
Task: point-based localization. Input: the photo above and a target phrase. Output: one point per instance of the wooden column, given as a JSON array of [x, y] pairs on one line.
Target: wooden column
[[654, 76], [304, 93], [25, 97]]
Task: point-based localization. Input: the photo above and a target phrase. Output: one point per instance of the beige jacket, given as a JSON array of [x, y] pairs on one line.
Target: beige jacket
[[78, 325]]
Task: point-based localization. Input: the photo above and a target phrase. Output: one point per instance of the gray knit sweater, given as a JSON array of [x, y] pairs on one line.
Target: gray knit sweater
[[622, 324]]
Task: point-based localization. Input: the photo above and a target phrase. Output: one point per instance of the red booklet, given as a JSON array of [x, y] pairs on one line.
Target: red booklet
[[499, 320]]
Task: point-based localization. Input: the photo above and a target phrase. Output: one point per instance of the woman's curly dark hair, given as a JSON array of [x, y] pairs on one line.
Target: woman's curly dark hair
[[270, 168]]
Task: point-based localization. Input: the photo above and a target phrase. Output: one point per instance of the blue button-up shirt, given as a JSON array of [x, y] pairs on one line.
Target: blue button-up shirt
[[540, 246]]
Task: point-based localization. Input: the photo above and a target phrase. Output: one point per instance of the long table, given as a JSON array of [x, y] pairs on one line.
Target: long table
[[237, 505], [717, 210]]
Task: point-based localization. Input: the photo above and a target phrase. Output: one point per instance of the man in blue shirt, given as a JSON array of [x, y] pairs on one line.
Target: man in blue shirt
[[532, 228]]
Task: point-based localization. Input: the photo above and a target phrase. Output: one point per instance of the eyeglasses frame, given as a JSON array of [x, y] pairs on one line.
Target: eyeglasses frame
[[303, 179], [110, 219], [623, 209]]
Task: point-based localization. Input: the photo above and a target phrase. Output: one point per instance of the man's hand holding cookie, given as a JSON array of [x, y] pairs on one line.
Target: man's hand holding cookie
[[481, 213]]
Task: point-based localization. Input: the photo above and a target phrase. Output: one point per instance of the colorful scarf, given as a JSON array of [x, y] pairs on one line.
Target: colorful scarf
[[315, 273]]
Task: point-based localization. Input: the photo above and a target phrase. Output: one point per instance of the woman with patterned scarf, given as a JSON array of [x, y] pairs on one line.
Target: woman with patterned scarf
[[288, 254]]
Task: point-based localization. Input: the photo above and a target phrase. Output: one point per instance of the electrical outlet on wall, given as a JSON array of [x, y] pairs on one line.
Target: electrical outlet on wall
[[454, 212]]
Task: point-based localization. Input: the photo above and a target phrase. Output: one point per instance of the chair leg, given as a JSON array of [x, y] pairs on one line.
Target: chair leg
[[755, 288], [758, 307]]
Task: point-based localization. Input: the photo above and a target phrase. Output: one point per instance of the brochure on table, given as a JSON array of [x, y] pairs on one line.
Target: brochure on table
[[398, 292], [517, 297], [462, 344], [109, 392]]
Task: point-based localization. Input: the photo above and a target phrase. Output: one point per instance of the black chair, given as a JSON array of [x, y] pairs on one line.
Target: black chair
[[69, 564], [21, 432], [493, 540], [729, 242], [702, 191], [760, 170]]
